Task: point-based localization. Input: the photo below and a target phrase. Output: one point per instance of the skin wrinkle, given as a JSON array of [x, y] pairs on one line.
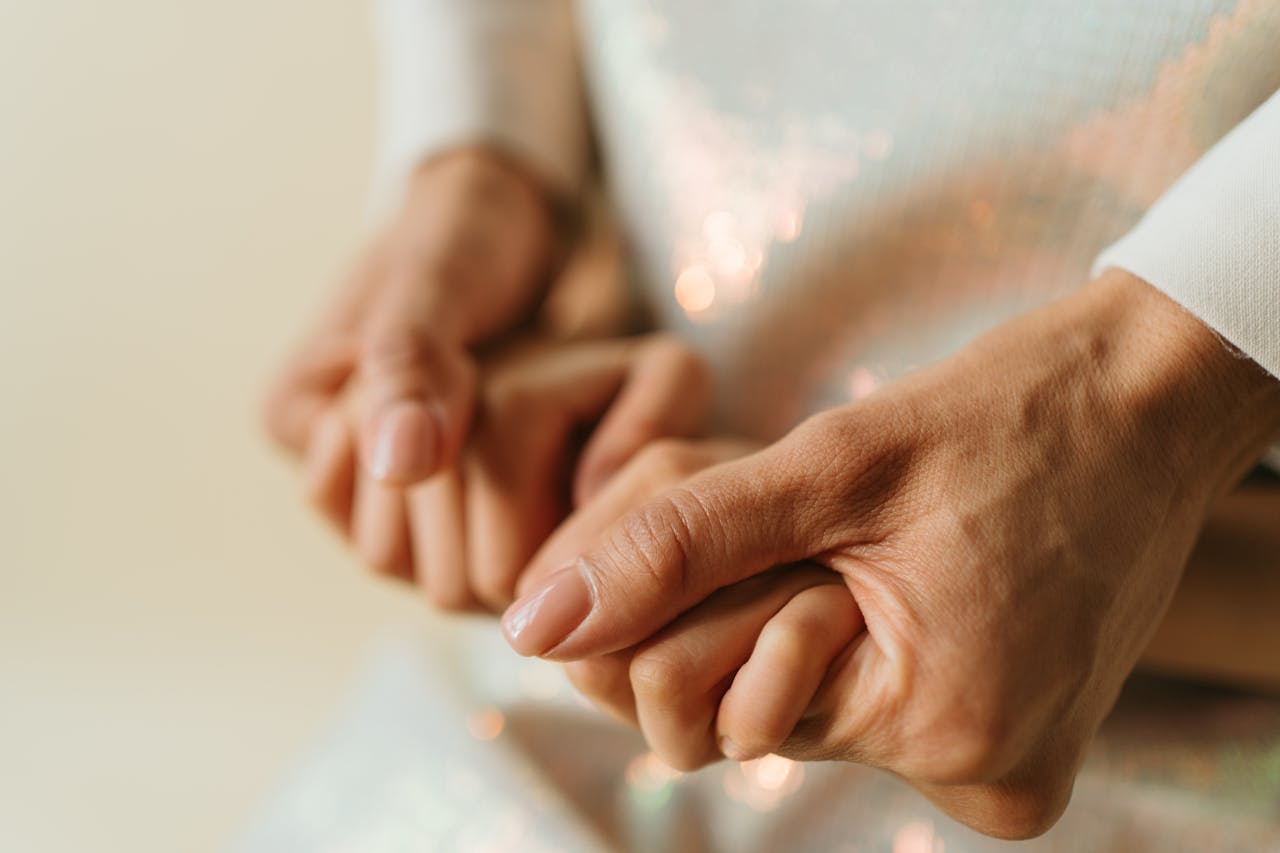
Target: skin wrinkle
[[680, 522]]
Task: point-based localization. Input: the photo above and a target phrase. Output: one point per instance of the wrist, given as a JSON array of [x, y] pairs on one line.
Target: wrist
[[480, 228], [1211, 411], [477, 167]]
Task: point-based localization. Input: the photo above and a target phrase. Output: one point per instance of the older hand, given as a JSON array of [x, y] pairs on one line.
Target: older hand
[[1011, 524]]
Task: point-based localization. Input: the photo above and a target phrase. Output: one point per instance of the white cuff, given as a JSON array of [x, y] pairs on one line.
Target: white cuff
[[503, 72], [1212, 241]]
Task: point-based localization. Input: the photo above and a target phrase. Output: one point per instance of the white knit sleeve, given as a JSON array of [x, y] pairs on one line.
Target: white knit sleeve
[[1212, 241], [503, 72]]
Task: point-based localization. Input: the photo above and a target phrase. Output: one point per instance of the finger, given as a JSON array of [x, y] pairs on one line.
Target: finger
[[330, 470], [326, 359], [725, 524], [516, 479], [666, 394], [380, 528], [680, 676], [517, 462], [792, 655], [479, 237], [417, 391], [438, 524], [606, 681], [657, 467], [307, 388]]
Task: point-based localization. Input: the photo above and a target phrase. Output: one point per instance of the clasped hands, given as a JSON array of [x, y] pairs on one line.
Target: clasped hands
[[949, 579]]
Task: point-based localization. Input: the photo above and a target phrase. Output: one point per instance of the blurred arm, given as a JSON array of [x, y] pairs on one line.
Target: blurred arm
[[503, 73]]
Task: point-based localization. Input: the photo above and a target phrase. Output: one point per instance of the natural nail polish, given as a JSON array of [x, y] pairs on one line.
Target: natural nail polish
[[542, 619], [404, 443]]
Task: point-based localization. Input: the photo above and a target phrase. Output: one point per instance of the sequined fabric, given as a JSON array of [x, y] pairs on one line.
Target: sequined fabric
[[452, 743], [842, 191]]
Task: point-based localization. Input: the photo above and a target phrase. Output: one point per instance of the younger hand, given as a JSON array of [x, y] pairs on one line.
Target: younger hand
[[462, 261], [465, 534]]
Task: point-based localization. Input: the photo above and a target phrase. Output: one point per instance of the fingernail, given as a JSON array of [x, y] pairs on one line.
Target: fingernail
[[732, 751], [545, 617], [404, 444]]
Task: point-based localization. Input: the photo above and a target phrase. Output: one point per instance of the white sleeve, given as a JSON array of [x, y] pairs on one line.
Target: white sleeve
[[1212, 241], [503, 72]]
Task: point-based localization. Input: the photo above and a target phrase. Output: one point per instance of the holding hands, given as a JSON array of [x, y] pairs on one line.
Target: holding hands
[[1004, 529], [950, 579], [443, 449]]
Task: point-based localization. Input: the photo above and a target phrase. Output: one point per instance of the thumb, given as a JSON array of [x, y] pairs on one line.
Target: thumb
[[416, 384], [726, 524]]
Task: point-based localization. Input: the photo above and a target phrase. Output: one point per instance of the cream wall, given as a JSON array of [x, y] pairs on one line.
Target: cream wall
[[178, 183]]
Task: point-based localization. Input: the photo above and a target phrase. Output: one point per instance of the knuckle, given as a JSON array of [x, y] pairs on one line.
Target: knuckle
[[667, 460], [792, 641], [507, 399], [661, 675], [599, 679], [392, 351], [655, 543], [785, 648]]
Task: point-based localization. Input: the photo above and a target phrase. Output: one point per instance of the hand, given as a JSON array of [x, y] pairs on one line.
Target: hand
[[1011, 523], [461, 262], [750, 656], [734, 621], [466, 534]]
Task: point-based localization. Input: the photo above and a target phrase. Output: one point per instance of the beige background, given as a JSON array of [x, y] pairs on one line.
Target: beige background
[[179, 181]]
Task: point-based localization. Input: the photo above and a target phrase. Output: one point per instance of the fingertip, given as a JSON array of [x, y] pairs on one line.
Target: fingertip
[[402, 444], [543, 619]]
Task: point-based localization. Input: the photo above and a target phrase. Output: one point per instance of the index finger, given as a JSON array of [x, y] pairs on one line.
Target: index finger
[[726, 524]]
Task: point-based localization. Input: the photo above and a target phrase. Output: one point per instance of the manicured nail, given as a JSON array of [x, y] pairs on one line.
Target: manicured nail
[[542, 619], [732, 751], [404, 443]]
